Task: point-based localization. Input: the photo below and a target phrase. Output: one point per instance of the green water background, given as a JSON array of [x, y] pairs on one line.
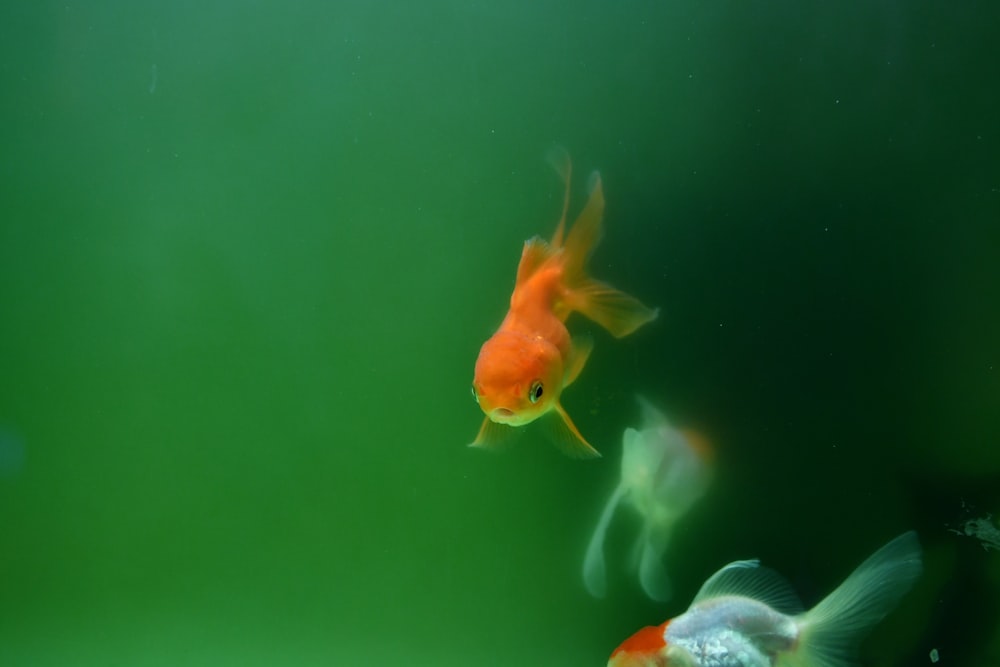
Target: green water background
[[248, 253]]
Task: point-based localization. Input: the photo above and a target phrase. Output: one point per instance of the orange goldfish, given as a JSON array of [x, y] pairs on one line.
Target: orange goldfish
[[524, 367]]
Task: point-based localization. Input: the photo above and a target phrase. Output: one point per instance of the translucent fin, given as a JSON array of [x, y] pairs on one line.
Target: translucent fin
[[831, 632], [594, 182], [747, 579], [559, 159], [635, 553], [581, 349], [493, 435], [565, 436], [536, 251], [614, 310], [652, 574], [585, 234], [594, 570], [650, 416]]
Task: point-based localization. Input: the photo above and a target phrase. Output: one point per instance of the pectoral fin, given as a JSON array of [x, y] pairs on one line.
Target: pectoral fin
[[613, 309], [492, 435], [579, 352], [565, 436]]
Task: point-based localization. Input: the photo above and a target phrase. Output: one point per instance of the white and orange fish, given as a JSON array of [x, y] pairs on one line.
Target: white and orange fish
[[664, 472], [524, 367], [748, 616]]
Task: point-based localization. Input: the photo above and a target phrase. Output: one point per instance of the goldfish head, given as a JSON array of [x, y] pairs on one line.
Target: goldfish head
[[518, 378], [648, 648]]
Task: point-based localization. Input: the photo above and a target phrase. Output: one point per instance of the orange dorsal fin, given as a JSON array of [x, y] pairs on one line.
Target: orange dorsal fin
[[536, 251], [559, 159], [586, 232], [614, 310]]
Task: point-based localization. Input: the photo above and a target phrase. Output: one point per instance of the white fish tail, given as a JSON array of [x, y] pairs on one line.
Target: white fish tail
[[652, 574], [831, 632], [594, 574]]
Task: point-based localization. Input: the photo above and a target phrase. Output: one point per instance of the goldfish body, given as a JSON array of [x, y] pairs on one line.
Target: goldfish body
[[664, 472], [748, 616], [523, 368]]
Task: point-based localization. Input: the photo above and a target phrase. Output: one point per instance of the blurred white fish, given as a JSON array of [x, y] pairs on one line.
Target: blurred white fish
[[664, 472]]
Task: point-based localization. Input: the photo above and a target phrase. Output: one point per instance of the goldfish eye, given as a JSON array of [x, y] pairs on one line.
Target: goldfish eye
[[536, 391], [475, 394]]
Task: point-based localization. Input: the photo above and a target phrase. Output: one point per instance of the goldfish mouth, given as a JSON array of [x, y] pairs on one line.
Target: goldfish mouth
[[501, 415]]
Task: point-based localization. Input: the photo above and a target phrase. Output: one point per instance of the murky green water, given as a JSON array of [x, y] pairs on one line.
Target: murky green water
[[248, 254]]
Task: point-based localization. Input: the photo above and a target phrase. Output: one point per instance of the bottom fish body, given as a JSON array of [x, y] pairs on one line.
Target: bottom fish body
[[730, 631], [748, 616]]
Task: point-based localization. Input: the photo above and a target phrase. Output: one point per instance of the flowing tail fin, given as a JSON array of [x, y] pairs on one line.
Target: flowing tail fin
[[559, 159], [652, 574], [594, 575], [831, 632], [614, 310]]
